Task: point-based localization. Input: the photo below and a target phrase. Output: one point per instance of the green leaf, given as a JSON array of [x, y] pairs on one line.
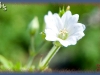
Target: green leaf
[[17, 66], [8, 65]]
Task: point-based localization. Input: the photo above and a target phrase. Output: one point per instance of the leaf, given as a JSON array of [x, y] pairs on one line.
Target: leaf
[[17, 66], [5, 63]]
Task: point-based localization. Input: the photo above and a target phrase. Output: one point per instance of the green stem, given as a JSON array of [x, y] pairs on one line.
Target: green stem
[[32, 44], [30, 60], [32, 52], [43, 65], [41, 48]]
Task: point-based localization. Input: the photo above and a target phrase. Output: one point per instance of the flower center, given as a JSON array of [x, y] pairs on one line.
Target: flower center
[[63, 34]]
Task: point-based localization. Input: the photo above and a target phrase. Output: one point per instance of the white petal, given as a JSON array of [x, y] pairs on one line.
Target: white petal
[[50, 35], [71, 20], [68, 41], [58, 21], [49, 13], [75, 18], [50, 22], [65, 17], [71, 40], [78, 35], [77, 28]]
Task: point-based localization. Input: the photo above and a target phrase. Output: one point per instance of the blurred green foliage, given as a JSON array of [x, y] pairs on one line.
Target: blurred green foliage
[[15, 38]]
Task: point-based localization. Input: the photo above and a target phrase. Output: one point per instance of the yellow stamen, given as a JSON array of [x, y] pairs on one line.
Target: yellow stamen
[[63, 34]]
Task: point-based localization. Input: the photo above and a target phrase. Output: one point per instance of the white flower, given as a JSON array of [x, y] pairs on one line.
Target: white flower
[[65, 29]]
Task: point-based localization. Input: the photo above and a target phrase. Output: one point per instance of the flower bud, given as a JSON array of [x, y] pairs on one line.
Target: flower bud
[[68, 8], [61, 11], [34, 26]]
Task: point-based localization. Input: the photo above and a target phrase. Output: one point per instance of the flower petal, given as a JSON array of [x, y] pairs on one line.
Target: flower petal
[[53, 21], [50, 22], [72, 20], [77, 28], [50, 35], [78, 35], [65, 17], [68, 41], [58, 21]]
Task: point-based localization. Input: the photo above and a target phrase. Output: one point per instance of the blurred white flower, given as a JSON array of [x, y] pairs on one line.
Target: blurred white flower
[[65, 29]]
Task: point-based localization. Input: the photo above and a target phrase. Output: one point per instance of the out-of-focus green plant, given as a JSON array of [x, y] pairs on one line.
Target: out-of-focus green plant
[[33, 29], [5, 64], [15, 39]]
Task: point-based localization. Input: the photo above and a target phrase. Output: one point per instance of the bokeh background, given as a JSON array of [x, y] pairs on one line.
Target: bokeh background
[[15, 37]]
